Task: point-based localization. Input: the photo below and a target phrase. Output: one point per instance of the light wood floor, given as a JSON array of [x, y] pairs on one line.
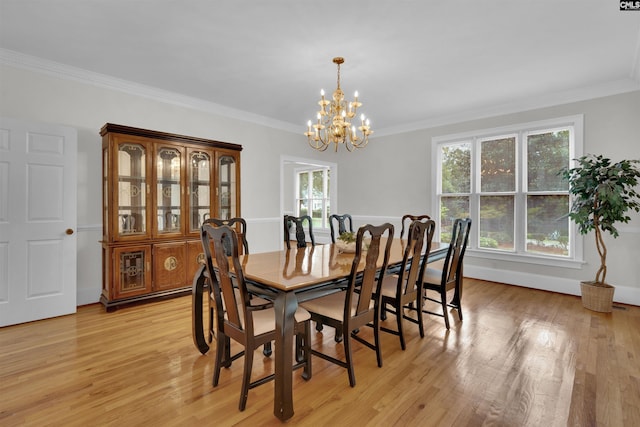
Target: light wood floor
[[521, 357]]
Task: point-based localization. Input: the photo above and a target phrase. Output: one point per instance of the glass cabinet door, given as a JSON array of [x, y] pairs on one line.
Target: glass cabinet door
[[132, 184], [199, 164], [168, 192], [226, 191]]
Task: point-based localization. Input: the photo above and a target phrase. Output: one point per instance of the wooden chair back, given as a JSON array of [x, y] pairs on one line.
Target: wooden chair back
[[233, 318], [232, 222], [344, 223], [408, 219], [358, 309], [301, 238], [418, 246], [452, 269]]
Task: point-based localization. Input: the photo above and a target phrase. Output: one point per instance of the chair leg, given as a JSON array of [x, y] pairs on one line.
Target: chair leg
[[267, 350], [419, 303], [211, 333], [221, 344], [306, 349], [445, 314], [300, 340], [246, 376], [456, 301], [349, 359], [399, 314], [226, 362], [376, 339]]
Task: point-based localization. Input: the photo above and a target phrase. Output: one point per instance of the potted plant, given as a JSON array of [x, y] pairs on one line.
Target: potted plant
[[346, 242], [602, 194]]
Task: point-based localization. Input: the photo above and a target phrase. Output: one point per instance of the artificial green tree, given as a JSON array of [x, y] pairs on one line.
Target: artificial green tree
[[602, 193]]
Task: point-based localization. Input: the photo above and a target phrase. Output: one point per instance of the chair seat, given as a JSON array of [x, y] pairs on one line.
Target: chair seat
[[265, 320], [432, 276], [331, 306], [390, 286]]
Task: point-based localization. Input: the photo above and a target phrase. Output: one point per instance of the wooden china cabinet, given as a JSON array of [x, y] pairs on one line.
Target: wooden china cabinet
[[158, 188]]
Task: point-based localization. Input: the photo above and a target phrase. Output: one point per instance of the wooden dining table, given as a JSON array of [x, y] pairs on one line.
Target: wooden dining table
[[288, 277]]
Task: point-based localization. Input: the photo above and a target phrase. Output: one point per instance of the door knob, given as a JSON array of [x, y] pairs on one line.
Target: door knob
[[69, 231]]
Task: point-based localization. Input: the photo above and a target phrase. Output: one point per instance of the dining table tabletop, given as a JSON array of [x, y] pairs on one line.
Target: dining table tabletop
[[288, 277]]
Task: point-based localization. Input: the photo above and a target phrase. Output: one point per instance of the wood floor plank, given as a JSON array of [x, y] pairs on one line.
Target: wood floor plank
[[521, 357]]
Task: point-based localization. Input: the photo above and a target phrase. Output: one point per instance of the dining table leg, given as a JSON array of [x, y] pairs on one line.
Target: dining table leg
[[285, 306]]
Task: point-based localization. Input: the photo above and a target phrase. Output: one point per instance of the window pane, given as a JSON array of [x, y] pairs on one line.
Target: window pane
[[456, 168], [303, 179], [316, 212], [548, 225], [318, 184], [303, 207], [451, 208], [497, 222], [547, 154], [498, 165]]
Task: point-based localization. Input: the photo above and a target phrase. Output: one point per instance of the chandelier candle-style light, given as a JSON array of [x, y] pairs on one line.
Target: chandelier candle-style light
[[334, 121]]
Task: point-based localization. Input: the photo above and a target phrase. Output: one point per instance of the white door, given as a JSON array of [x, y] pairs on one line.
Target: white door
[[37, 221]]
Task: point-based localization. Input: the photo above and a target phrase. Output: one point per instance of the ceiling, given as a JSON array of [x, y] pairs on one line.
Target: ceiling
[[414, 63]]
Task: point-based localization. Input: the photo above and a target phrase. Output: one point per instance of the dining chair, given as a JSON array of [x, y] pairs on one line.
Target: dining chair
[[355, 307], [408, 219], [227, 247], [450, 276], [403, 291], [248, 321], [341, 222], [301, 238]]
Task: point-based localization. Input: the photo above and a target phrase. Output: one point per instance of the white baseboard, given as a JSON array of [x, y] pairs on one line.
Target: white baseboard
[[623, 294], [87, 296]]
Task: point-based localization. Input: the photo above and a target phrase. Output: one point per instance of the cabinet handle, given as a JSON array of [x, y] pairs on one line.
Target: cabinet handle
[[69, 231]]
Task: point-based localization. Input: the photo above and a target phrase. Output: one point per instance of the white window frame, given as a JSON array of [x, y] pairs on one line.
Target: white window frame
[[326, 201], [289, 206], [575, 258]]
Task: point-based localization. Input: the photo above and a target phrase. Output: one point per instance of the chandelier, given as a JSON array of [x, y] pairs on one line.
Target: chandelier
[[334, 121]]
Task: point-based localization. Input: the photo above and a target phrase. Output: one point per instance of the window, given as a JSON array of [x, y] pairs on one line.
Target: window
[[506, 180], [312, 195]]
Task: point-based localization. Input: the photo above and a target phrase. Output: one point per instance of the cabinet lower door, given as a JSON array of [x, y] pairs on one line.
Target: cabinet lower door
[[195, 258], [132, 272], [169, 266]]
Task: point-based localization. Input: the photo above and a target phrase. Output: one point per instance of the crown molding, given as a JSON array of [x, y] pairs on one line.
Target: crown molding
[[56, 69], [548, 100]]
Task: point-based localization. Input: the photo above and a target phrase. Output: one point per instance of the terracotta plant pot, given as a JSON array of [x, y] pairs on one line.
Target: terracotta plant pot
[[597, 296]]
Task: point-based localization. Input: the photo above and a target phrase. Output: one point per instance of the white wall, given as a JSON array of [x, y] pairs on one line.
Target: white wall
[[611, 128], [380, 183], [34, 96]]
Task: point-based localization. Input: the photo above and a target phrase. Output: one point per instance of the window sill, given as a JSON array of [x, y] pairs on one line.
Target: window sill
[[526, 259]]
